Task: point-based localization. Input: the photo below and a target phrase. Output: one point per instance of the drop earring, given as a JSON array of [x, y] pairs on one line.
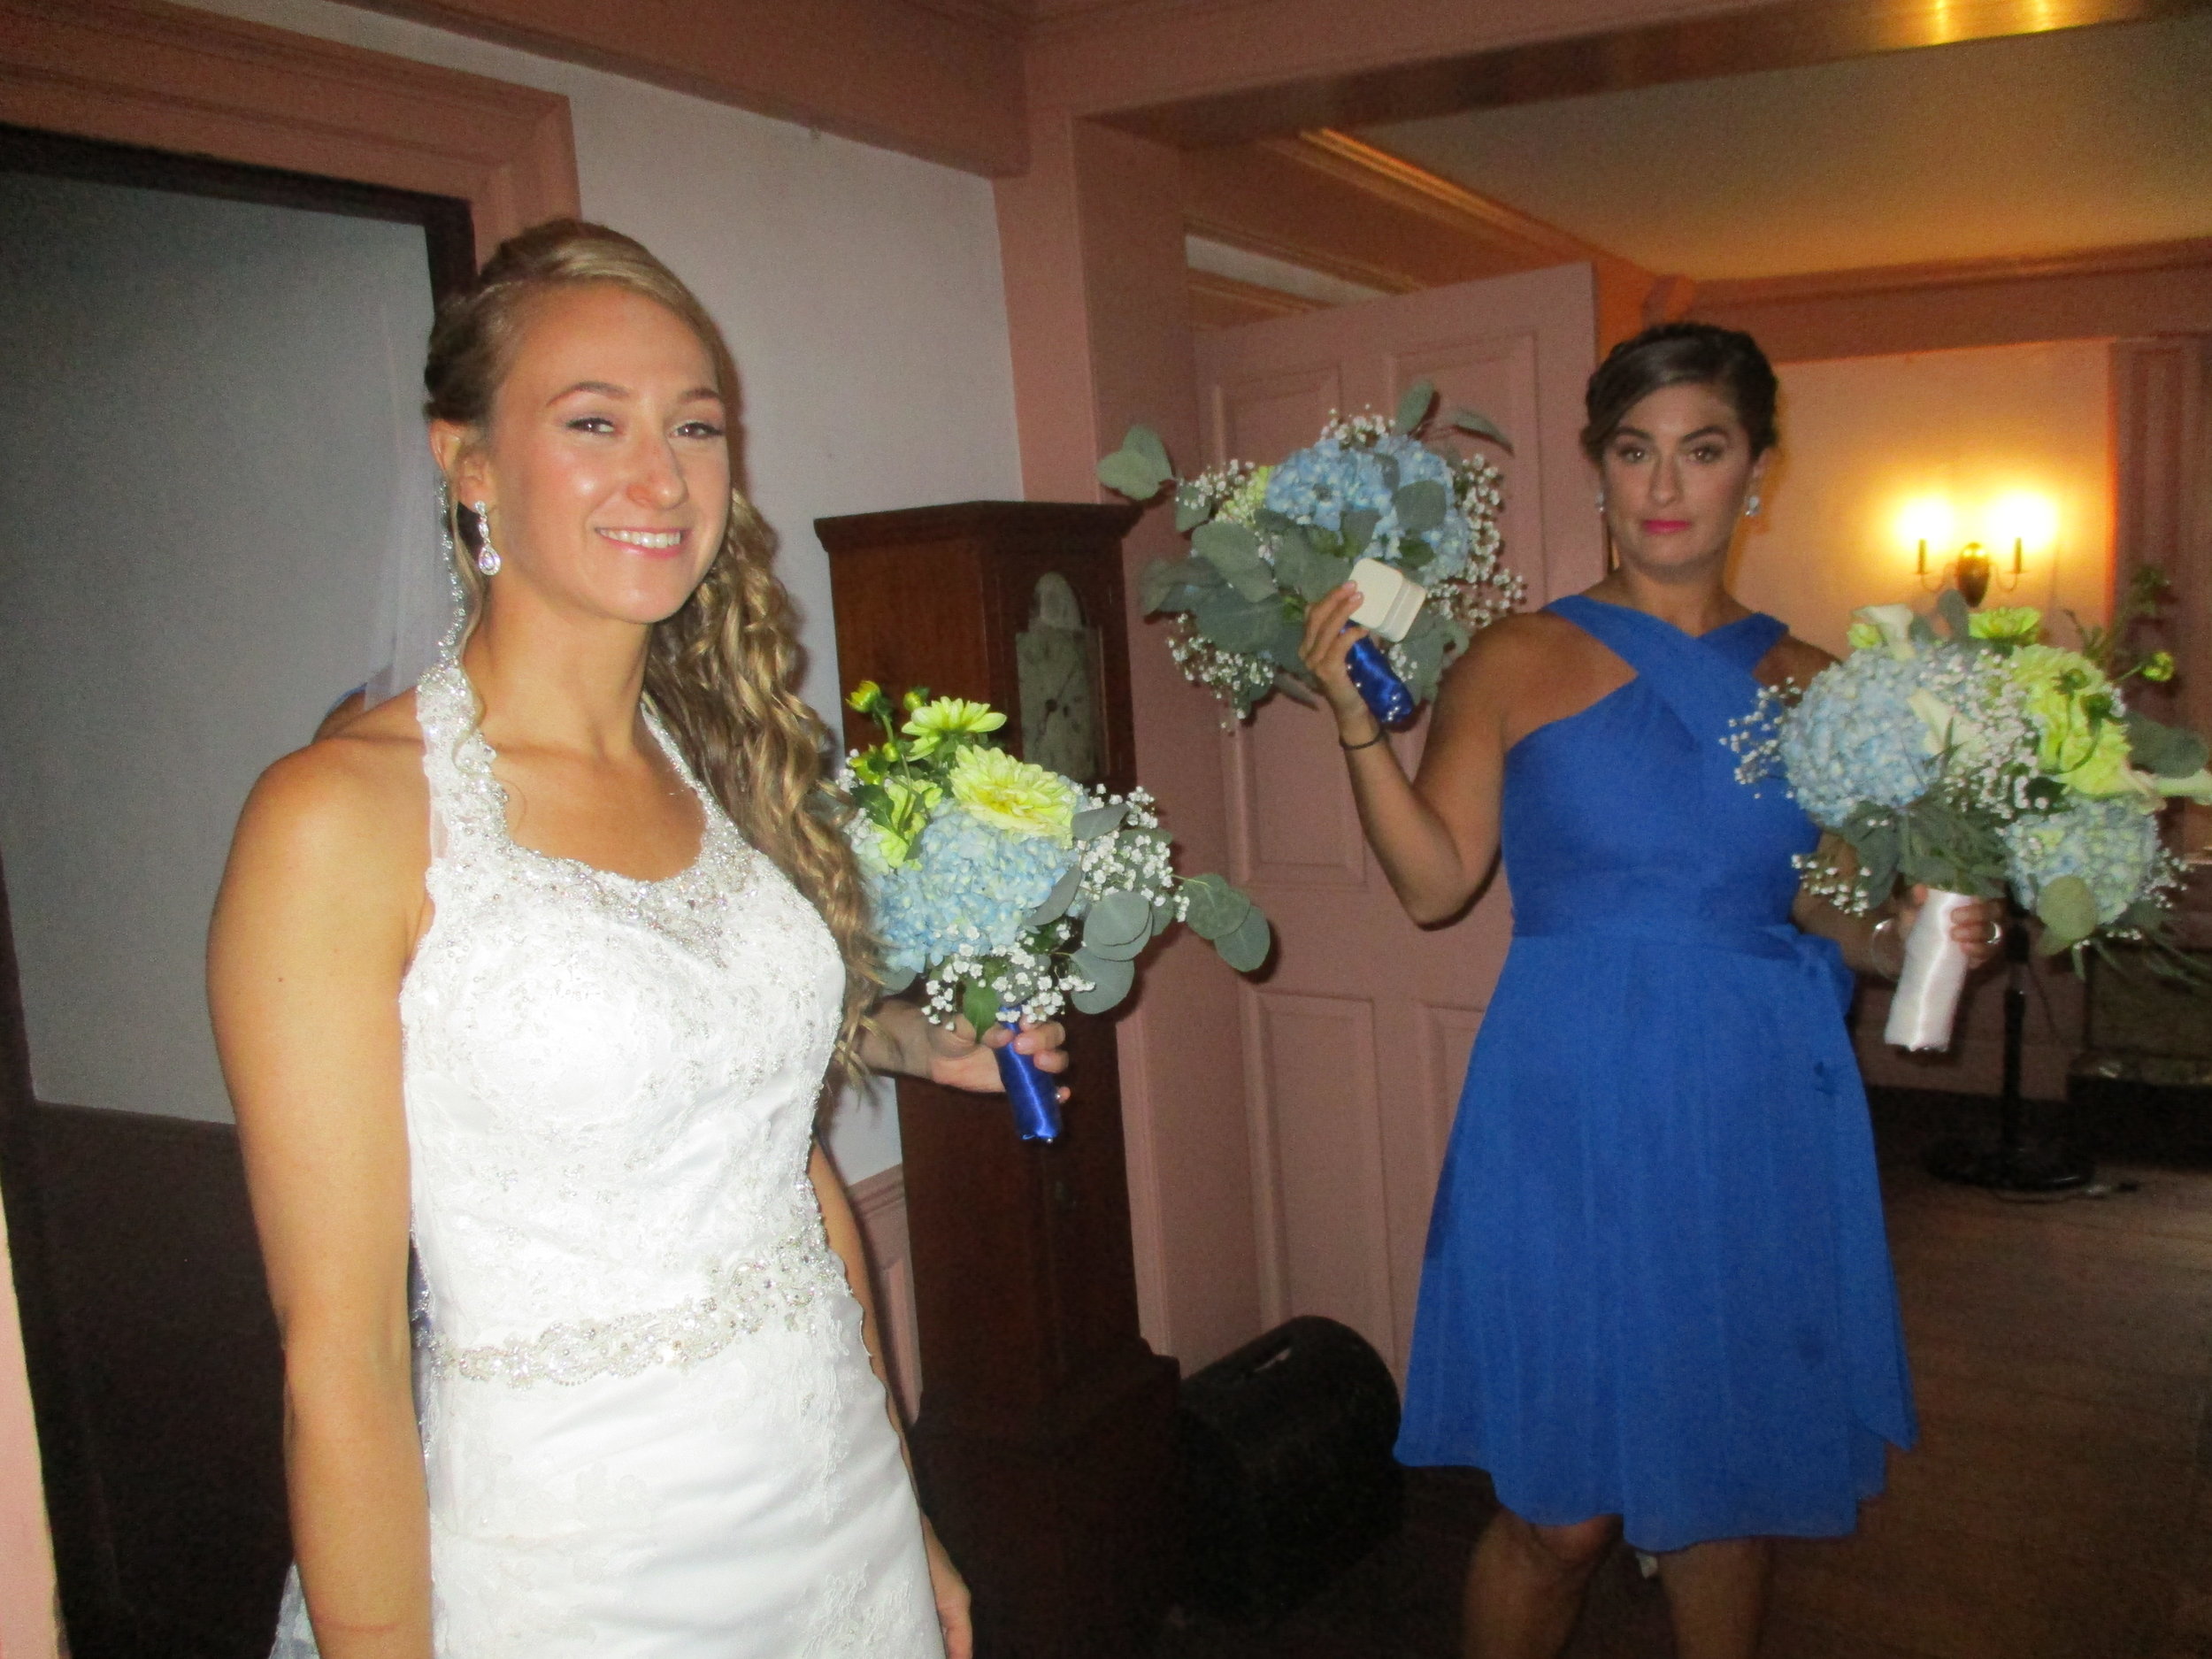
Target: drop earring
[[1751, 506], [1601, 501], [487, 555]]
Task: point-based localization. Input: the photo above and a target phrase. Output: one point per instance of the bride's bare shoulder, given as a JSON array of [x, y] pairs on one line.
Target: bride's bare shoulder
[[353, 795]]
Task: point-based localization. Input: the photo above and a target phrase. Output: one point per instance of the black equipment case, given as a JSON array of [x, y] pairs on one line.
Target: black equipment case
[[1288, 1472]]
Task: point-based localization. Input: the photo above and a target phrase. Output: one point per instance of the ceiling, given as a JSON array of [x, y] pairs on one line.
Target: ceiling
[[2032, 145]]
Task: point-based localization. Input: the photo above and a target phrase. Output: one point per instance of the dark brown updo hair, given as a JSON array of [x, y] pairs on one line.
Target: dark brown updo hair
[[1682, 354]]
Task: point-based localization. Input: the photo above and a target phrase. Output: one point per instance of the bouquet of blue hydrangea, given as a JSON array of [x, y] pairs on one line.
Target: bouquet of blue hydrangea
[[1005, 889], [1982, 761], [1413, 523]]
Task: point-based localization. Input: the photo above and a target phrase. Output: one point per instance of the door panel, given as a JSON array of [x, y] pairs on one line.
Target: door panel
[[1358, 1041]]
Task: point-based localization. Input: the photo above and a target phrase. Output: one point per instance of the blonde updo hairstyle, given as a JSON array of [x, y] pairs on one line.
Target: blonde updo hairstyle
[[721, 672]]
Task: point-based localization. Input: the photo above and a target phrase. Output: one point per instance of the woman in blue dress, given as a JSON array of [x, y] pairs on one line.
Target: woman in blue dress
[[1657, 1295]]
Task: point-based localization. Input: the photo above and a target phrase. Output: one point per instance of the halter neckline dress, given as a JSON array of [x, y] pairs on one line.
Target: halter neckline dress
[[1657, 1282], [649, 1426]]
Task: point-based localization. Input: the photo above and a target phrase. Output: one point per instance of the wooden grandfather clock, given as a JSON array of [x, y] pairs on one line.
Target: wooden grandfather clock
[[1045, 1441]]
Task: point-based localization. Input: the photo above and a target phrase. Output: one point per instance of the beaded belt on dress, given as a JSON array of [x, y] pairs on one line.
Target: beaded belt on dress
[[792, 1282]]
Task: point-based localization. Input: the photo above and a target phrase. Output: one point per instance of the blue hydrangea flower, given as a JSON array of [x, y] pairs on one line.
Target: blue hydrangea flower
[[1319, 485], [2111, 844], [1854, 738], [969, 885]]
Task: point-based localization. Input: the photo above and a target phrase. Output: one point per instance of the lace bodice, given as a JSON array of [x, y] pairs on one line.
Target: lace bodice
[[610, 1087]]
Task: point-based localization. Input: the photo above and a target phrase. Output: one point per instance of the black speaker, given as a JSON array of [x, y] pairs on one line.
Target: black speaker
[[1288, 1472]]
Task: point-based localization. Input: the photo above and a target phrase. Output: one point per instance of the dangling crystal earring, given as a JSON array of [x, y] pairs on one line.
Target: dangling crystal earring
[[1601, 501], [1751, 506], [487, 555]]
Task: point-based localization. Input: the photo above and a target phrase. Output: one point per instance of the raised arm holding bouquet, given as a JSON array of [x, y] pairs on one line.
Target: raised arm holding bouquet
[[1979, 762], [1009, 891], [1372, 502]]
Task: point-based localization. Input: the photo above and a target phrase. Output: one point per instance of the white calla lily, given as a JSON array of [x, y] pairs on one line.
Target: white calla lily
[[1894, 624]]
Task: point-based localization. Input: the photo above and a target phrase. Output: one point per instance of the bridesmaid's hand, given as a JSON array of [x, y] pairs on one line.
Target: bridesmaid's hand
[[1327, 643], [951, 1592], [958, 1061], [1977, 927]]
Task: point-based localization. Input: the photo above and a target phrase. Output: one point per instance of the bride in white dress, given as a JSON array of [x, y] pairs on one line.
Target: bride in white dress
[[542, 968]]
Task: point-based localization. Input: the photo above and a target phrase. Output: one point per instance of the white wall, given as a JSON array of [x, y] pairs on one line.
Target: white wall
[[193, 502], [860, 290]]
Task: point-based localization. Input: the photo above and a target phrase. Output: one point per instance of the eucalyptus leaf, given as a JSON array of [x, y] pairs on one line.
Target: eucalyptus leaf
[[1235, 551], [2068, 910], [1115, 919], [1128, 473], [1422, 505], [1213, 908], [1056, 902], [1163, 917], [1480, 425], [980, 1003], [1161, 579], [1956, 616], [1245, 947], [1234, 624], [1110, 979], [2164, 752], [1413, 406], [1094, 822], [1191, 511], [1144, 443], [1922, 631], [1307, 573], [896, 979], [1356, 529], [1388, 465], [1122, 950]]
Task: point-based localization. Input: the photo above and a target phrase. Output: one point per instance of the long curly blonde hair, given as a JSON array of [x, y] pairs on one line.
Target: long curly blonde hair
[[721, 672]]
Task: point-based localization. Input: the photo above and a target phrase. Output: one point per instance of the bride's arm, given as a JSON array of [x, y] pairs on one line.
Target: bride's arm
[[843, 1228], [311, 934], [904, 1041]]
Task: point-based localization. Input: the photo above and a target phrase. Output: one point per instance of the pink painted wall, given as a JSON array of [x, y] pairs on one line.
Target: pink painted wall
[[26, 1561], [1092, 240]]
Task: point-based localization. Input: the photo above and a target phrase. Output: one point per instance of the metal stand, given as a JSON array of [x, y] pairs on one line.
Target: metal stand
[[2013, 1162]]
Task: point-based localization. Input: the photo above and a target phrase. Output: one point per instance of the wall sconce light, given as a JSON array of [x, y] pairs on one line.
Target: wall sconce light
[[1978, 564], [1970, 571]]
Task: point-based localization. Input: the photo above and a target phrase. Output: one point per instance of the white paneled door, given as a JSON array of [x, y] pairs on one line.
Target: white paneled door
[[1357, 1042]]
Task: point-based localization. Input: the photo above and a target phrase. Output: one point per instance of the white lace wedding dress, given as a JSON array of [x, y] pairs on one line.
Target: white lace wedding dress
[[649, 1424]]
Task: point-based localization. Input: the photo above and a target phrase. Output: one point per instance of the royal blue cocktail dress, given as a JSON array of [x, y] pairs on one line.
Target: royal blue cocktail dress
[[1657, 1283]]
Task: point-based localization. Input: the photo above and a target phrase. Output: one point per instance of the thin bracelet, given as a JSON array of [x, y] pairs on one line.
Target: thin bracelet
[[1380, 733], [1887, 924]]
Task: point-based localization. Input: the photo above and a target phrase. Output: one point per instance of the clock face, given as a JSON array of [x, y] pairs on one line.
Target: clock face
[[1055, 668]]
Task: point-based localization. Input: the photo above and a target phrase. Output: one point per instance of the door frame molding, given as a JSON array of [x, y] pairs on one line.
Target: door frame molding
[[162, 77]]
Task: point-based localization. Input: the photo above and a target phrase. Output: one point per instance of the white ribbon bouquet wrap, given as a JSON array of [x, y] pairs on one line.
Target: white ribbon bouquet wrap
[[1981, 762], [1927, 998]]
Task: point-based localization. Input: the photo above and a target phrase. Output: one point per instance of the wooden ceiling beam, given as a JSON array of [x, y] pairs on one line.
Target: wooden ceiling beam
[[1330, 203], [938, 79], [1614, 45]]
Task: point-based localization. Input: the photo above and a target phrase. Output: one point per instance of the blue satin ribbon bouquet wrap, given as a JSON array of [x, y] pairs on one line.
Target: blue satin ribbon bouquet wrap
[[1005, 889], [1374, 500]]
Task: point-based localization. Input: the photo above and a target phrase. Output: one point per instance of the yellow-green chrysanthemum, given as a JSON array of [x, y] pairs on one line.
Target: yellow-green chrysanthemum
[[935, 723], [2070, 701], [1863, 636], [909, 805], [1012, 795], [2007, 625]]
